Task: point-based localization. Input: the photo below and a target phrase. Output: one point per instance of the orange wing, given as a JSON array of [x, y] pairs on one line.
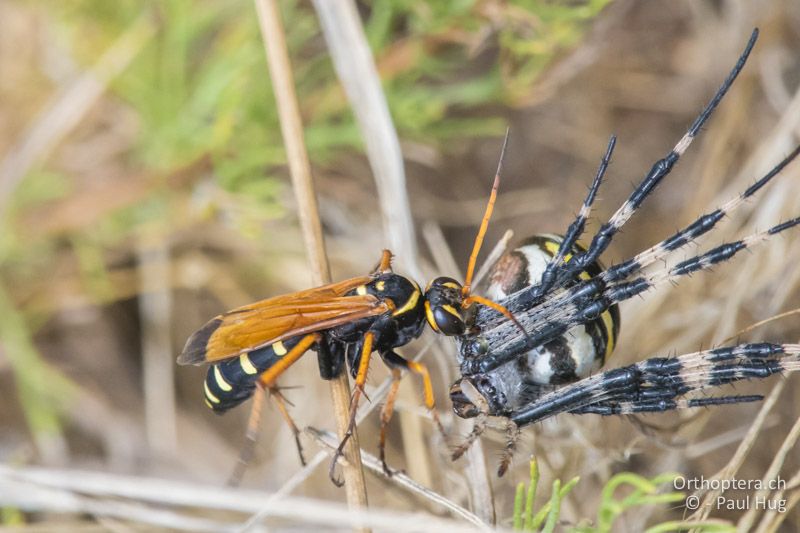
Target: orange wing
[[255, 325]]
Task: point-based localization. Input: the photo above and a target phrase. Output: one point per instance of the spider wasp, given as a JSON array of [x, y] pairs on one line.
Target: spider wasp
[[250, 347], [567, 303]]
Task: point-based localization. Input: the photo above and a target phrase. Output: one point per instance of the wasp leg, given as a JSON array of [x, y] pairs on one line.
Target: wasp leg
[[386, 416], [267, 381], [250, 438], [330, 358], [280, 402], [393, 359], [358, 391], [512, 437], [270, 376], [385, 264], [395, 362]]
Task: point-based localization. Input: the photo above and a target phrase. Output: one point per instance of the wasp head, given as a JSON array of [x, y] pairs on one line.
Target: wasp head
[[443, 306]]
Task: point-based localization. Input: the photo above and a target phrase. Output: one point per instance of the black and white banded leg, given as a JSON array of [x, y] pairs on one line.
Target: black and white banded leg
[[660, 169], [660, 383], [575, 229]]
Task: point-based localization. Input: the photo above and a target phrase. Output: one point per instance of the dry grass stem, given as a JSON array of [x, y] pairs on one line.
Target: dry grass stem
[[82, 491], [155, 310], [400, 479], [355, 67], [269, 17], [772, 473], [737, 459]]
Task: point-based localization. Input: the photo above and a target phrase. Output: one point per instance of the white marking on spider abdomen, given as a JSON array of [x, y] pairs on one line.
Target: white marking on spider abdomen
[[544, 363], [536, 260], [568, 357]]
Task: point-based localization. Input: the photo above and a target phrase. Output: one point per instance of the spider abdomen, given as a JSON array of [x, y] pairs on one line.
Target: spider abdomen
[[580, 350]]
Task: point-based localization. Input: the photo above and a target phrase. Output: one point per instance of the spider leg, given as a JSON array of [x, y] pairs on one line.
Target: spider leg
[[659, 384], [660, 169], [701, 226], [587, 300], [660, 406], [622, 291], [530, 298], [576, 228], [512, 437], [481, 420]]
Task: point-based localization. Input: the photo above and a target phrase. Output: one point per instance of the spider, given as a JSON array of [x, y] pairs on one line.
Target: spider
[[567, 303]]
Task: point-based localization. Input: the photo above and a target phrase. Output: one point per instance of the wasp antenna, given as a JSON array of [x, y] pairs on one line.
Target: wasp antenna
[[476, 248]]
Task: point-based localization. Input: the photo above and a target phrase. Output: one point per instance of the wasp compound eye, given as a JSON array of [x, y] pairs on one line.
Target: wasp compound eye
[[449, 320]]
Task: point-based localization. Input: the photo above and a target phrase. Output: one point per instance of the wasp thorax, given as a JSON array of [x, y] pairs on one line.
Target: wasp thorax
[[443, 301]]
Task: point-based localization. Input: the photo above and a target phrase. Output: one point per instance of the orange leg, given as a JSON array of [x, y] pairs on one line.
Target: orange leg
[[396, 361], [386, 262], [358, 391], [270, 376], [427, 392], [386, 416], [250, 438], [267, 380], [280, 402]]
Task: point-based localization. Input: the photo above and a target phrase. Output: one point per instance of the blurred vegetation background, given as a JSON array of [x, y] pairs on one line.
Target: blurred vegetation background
[[143, 189]]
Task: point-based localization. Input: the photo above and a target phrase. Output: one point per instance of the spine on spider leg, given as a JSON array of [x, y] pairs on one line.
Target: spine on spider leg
[[660, 406]]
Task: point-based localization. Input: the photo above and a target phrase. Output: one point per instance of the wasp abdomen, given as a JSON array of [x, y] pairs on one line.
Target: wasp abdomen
[[233, 381]]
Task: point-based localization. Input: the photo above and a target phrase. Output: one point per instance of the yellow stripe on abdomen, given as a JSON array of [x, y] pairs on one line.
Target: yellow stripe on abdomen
[[608, 322]]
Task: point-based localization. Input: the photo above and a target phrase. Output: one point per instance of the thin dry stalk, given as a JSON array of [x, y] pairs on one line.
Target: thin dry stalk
[[40, 489], [400, 479], [749, 518], [269, 17], [155, 309], [738, 458], [355, 67], [479, 484]]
